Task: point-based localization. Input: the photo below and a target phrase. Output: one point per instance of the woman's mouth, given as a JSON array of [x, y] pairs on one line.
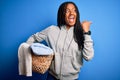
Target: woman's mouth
[[71, 18]]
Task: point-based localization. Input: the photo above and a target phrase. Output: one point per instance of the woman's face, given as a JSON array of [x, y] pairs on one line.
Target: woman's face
[[70, 15]]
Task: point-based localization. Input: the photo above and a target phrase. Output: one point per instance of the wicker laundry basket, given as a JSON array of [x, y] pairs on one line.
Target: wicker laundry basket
[[41, 63]]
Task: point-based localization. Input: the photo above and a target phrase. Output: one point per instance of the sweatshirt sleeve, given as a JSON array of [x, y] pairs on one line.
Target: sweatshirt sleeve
[[39, 36], [88, 51]]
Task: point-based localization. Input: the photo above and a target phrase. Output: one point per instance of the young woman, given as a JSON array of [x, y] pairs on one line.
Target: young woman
[[70, 40]]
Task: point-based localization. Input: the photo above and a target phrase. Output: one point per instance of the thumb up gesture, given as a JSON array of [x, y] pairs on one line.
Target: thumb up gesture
[[86, 25]]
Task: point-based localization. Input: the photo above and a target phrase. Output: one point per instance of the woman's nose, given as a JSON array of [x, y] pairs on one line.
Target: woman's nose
[[72, 12]]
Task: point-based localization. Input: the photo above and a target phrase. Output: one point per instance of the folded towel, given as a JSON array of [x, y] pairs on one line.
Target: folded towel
[[41, 49]]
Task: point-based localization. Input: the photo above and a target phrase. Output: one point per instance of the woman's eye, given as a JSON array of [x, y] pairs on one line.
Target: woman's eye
[[67, 11], [74, 10]]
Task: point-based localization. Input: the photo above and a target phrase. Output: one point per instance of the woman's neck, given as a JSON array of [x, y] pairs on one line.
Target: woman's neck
[[68, 27]]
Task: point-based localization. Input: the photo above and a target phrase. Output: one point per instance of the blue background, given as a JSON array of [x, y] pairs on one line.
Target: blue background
[[21, 18]]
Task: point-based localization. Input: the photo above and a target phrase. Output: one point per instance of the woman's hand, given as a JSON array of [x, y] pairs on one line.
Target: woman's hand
[[86, 25]]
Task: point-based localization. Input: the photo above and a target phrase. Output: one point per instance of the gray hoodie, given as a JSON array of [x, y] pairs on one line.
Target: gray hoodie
[[68, 58]]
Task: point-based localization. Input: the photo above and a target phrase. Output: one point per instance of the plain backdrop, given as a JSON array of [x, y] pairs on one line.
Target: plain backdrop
[[21, 18]]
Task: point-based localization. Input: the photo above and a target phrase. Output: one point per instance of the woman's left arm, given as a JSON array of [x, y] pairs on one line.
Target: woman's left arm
[[88, 50]]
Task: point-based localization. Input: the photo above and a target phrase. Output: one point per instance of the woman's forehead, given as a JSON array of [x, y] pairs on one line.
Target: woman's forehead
[[70, 6]]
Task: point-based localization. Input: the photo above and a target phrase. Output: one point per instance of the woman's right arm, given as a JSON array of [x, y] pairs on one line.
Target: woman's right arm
[[39, 36], [31, 40]]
